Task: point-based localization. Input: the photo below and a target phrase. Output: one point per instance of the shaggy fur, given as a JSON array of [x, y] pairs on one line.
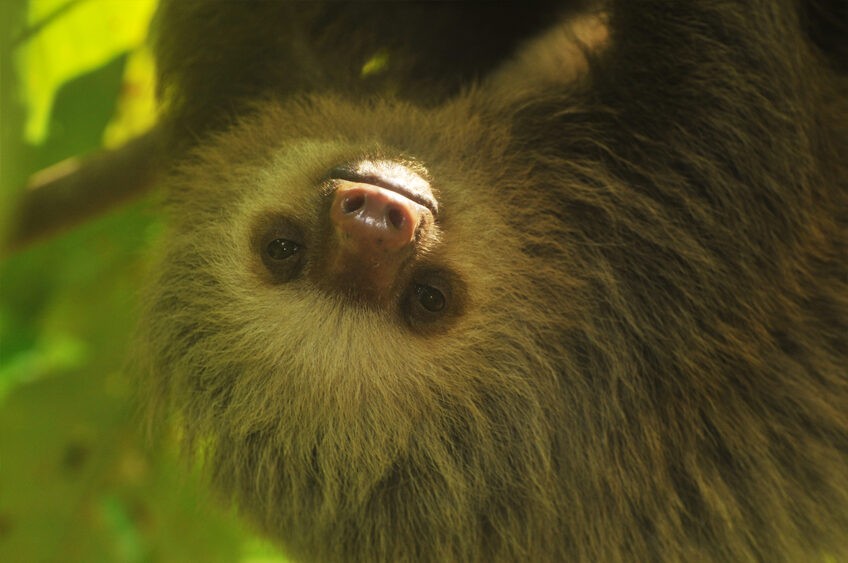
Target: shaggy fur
[[650, 359]]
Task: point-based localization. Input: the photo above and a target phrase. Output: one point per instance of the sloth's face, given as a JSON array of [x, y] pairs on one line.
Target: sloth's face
[[349, 291]]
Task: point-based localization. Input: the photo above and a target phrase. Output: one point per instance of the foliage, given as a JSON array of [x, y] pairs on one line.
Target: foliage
[[78, 482]]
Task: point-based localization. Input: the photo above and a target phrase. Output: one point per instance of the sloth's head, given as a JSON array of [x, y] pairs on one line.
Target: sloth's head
[[348, 316]]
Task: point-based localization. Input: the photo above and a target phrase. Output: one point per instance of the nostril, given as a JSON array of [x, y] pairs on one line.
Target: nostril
[[396, 217], [353, 202]]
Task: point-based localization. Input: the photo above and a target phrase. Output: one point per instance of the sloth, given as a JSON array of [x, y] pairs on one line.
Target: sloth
[[587, 302]]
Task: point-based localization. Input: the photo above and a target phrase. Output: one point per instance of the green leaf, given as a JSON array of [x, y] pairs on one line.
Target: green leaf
[[81, 37]]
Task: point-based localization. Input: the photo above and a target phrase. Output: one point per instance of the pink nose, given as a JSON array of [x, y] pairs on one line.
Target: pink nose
[[372, 220]]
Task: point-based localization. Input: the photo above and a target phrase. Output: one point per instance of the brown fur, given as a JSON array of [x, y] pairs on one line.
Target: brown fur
[[650, 359]]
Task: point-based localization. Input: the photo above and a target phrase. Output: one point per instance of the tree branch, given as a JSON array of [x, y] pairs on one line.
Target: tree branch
[[73, 190]]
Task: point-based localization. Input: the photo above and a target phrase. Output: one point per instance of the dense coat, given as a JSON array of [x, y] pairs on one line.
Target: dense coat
[[642, 351]]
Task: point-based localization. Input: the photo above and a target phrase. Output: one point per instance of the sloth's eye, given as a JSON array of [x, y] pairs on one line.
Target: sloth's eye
[[430, 298], [282, 249], [434, 300], [279, 243]]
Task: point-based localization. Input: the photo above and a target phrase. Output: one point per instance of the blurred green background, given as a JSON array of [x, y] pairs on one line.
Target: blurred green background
[[78, 480]]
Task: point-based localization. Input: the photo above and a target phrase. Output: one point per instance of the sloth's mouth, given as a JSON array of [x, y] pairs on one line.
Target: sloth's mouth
[[389, 175]]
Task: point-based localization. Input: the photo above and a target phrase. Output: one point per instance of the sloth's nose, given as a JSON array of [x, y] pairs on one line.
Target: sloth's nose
[[371, 221]]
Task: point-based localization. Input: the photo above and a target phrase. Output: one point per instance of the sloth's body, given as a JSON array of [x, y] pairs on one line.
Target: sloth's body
[[599, 315]]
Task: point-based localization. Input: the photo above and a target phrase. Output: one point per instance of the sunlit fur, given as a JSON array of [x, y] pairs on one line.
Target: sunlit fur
[[651, 364], [299, 387]]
